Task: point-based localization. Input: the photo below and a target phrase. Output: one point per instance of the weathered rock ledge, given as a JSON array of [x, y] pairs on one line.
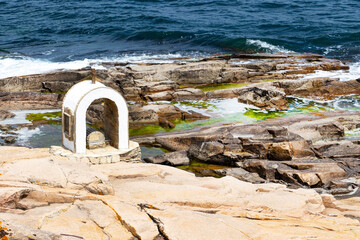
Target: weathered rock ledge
[[302, 151], [182, 80], [50, 197]]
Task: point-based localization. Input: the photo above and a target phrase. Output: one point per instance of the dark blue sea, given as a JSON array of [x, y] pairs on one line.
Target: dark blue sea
[[43, 35]]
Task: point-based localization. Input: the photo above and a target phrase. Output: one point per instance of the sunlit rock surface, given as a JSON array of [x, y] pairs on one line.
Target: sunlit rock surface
[[48, 197]]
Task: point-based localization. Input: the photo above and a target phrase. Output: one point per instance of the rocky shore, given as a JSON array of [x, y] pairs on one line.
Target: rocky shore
[[184, 79], [50, 197], [295, 176]]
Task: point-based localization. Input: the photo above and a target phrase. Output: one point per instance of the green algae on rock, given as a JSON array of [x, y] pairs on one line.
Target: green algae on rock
[[263, 115], [196, 104], [49, 117], [146, 129]]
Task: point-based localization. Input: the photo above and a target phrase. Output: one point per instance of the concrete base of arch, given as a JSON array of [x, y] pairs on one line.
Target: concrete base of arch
[[104, 155]]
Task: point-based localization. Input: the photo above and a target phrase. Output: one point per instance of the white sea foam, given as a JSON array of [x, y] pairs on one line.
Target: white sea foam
[[332, 49], [351, 74], [266, 45], [10, 67], [24, 134], [20, 66], [216, 107]]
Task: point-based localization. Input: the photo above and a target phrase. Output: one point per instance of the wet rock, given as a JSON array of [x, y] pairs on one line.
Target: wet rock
[[240, 174], [325, 170], [6, 114], [192, 115], [206, 150], [264, 168], [140, 115], [303, 172], [177, 158], [211, 152], [164, 123], [341, 191], [335, 184], [350, 165], [263, 98], [276, 131], [10, 139]]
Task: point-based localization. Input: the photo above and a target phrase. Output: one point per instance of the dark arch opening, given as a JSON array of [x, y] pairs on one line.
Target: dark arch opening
[[102, 115]]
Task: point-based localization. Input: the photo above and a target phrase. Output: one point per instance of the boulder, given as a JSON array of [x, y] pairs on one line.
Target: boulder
[[10, 139], [263, 98], [164, 123], [139, 115], [211, 152], [177, 158], [6, 114], [265, 169], [279, 151], [313, 173]]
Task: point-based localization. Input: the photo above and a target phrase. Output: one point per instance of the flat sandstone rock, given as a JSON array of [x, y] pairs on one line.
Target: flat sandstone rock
[[150, 201]]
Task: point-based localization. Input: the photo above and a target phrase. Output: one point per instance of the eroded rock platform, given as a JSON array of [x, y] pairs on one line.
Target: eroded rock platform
[[51, 197]]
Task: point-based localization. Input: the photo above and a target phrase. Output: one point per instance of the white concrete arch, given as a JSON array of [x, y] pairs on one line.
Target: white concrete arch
[[77, 101]]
